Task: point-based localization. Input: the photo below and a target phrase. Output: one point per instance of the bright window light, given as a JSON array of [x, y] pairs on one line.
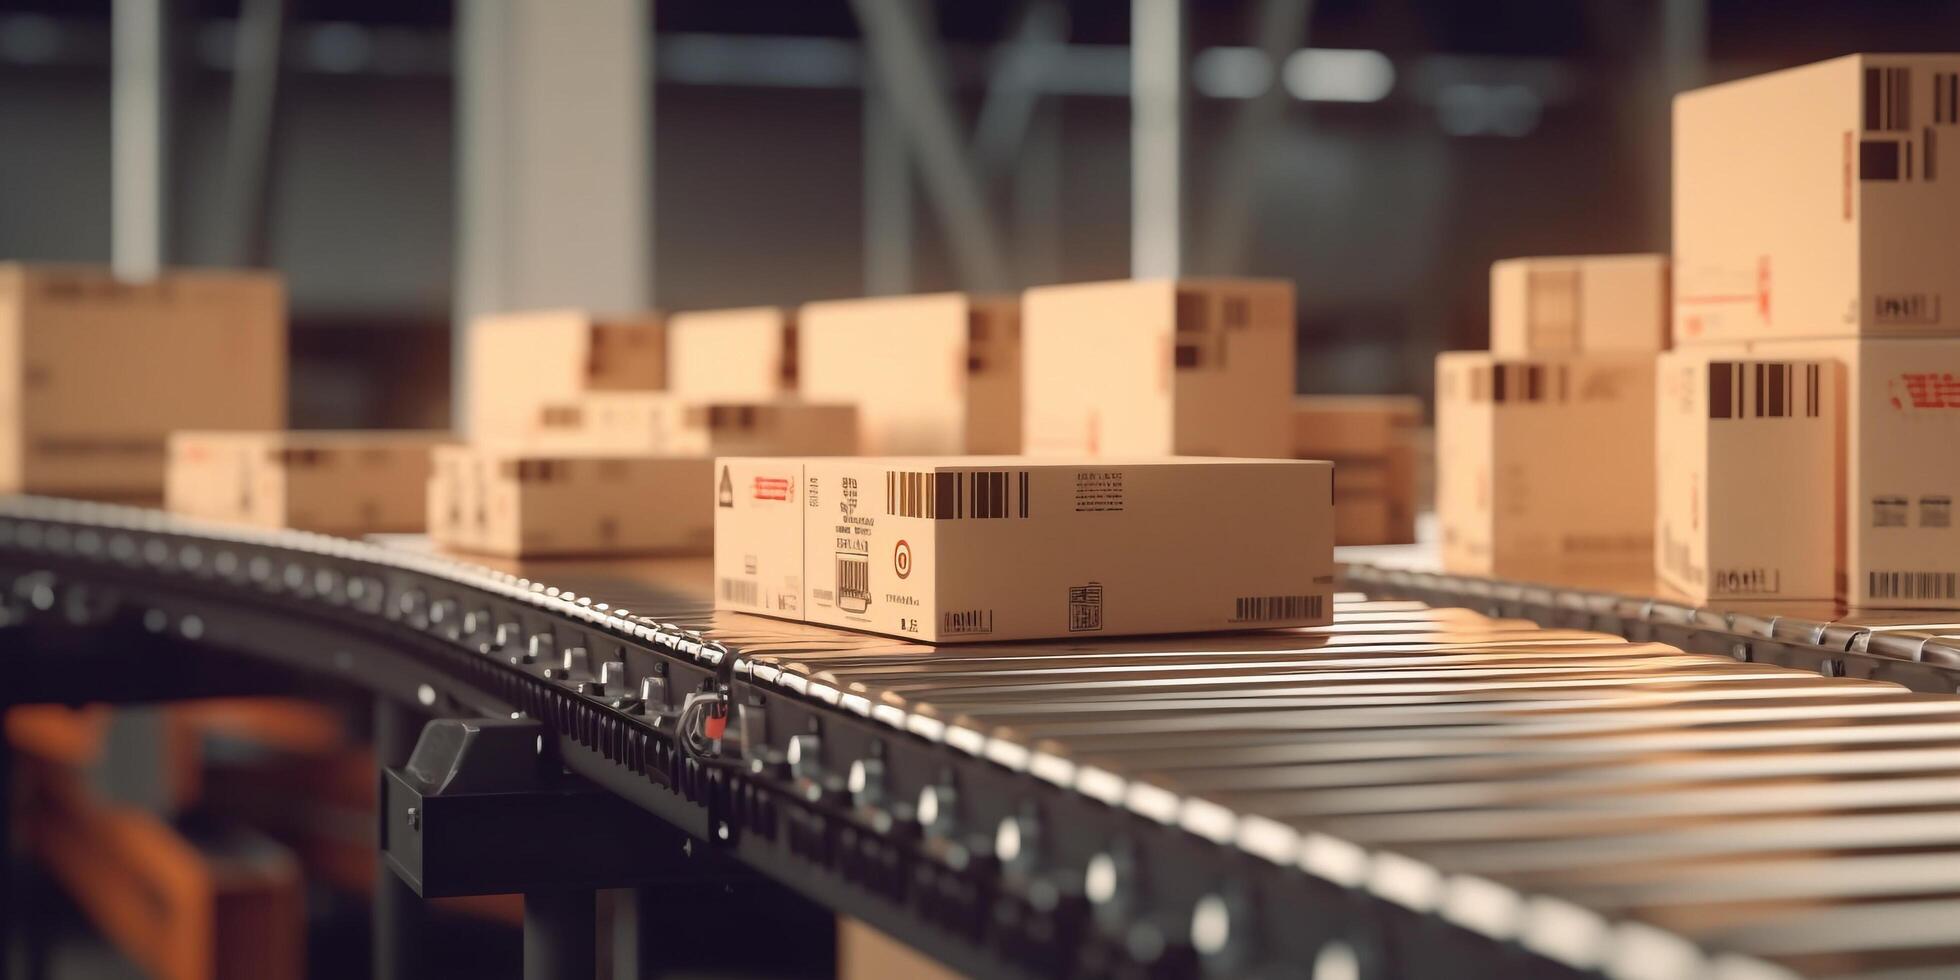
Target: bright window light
[[1338, 75], [1231, 73]]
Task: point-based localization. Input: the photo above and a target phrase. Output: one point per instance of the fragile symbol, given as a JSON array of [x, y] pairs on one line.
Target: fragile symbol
[[902, 559]]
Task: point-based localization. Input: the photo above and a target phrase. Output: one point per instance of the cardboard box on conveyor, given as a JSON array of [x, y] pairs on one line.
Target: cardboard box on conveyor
[[521, 501], [747, 353], [1579, 304], [966, 549], [334, 482], [658, 422], [519, 361]]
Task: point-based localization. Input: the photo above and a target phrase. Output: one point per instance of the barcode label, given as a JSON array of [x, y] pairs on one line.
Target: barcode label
[[1946, 98], [1266, 608], [1888, 99], [1911, 585], [741, 592], [955, 496], [1502, 383], [853, 577], [1763, 390]]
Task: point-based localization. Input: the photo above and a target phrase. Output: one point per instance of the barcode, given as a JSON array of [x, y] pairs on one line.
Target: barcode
[[1911, 585], [1946, 98], [951, 496], [1888, 99], [1503, 383], [853, 578], [741, 592], [1266, 608], [1762, 390]]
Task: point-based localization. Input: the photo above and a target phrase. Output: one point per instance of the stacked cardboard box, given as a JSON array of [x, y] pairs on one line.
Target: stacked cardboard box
[[746, 353], [519, 361], [1370, 439], [347, 483], [1194, 367], [656, 422], [1814, 225], [1545, 445], [937, 374], [95, 372]]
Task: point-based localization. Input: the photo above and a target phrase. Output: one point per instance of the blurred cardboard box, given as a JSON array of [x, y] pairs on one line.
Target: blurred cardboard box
[[656, 422], [745, 353], [864, 953], [1899, 466], [519, 361], [1192, 367], [1369, 438], [956, 550], [1816, 202], [1545, 466], [347, 483], [99, 372], [522, 502], [1572, 304], [938, 374], [1747, 501]]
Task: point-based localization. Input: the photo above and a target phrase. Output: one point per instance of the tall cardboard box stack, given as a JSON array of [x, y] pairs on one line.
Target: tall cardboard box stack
[[1188, 367], [1816, 222], [936, 374], [1371, 441], [96, 372], [1545, 444]]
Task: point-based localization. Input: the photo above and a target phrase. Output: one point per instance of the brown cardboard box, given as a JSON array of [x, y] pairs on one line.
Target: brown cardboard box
[[1573, 304], [1010, 548], [930, 374], [1545, 466], [1747, 501], [656, 422], [523, 502], [348, 483], [519, 361], [1899, 443], [1193, 367], [1815, 202], [864, 953], [95, 373], [1370, 440], [746, 353]]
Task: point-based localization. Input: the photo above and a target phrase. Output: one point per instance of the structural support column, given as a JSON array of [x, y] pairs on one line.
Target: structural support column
[[399, 918], [554, 153], [1157, 105], [560, 935], [139, 144], [887, 197]]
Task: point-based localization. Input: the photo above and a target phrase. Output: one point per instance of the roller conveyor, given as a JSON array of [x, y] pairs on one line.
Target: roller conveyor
[[1456, 778]]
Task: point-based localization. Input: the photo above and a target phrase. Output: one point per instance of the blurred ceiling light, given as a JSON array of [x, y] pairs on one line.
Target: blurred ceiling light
[[339, 48], [1231, 73], [1338, 75], [29, 39], [769, 62]]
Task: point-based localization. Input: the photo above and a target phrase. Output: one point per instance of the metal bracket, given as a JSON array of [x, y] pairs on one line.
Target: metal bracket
[[482, 808]]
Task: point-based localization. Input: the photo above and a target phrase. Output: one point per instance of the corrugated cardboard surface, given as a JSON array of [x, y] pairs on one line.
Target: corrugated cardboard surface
[[527, 502], [929, 374], [1819, 201], [347, 483], [1579, 304], [747, 353], [1900, 467], [1200, 367], [1545, 466], [972, 550], [663, 423], [1747, 498], [95, 373], [1370, 439], [519, 361]]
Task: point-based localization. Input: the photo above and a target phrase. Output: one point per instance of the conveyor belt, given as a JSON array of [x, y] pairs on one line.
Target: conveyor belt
[[1417, 790]]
